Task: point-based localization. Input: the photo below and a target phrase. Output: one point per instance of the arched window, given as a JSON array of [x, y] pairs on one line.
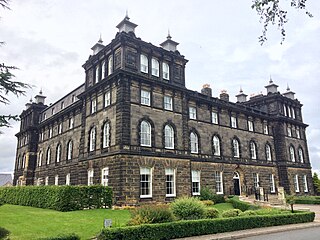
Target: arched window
[[145, 134], [253, 150], [216, 145], [58, 154], [194, 142], [143, 63], [155, 67], [292, 154], [168, 137], [103, 70], [23, 161], [110, 65], [268, 153], [300, 155], [106, 135], [97, 74], [92, 139], [165, 71], [69, 150], [236, 148], [18, 165], [40, 159], [48, 155]]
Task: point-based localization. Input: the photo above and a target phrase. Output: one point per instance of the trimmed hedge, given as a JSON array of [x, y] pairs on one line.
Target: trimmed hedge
[[179, 229], [306, 199], [63, 237], [243, 206], [60, 198]]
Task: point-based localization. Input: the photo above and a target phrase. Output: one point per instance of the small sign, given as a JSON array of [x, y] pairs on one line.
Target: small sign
[[107, 223]]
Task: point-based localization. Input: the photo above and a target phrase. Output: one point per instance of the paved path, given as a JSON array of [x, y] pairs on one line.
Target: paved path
[[313, 208]]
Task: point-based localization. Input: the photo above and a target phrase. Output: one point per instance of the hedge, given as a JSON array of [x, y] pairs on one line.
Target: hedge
[[243, 206], [63, 237], [306, 200], [180, 229], [61, 198]]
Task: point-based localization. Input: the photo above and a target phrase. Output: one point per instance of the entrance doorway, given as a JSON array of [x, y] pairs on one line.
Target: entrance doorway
[[236, 183]]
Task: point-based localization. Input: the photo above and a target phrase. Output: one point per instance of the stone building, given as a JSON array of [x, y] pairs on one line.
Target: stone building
[[133, 125]]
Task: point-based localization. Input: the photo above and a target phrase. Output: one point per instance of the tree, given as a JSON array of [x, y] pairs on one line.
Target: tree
[[7, 85], [316, 183], [271, 12]]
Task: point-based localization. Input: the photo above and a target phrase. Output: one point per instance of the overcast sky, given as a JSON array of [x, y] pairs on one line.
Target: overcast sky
[[50, 40]]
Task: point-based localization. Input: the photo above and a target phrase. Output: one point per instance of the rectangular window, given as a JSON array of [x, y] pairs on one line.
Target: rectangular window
[[68, 179], [233, 122], [93, 106], [284, 110], [145, 97], [289, 131], [214, 116], [296, 183], [71, 123], [62, 105], [46, 181], [145, 182], [167, 102], [195, 182], [256, 180], [250, 125], [298, 132], [293, 113], [170, 182], [219, 182], [266, 129], [305, 184], [60, 128], [107, 99], [50, 132], [56, 180], [192, 113], [271, 184], [52, 111], [90, 177], [105, 176]]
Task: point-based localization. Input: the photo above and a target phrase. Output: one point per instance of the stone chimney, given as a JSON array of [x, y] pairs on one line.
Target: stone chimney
[[206, 90], [241, 97], [289, 93], [224, 95], [271, 87], [40, 98], [169, 44]]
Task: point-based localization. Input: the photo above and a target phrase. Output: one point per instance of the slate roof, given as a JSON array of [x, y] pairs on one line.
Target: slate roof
[[5, 178]]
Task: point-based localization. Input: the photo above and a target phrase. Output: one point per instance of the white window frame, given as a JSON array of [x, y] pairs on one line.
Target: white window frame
[[214, 117], [289, 131], [50, 132], [165, 71], [71, 123], [40, 159], [38, 183], [103, 69], [144, 64], [48, 156], [58, 154], [305, 184], [296, 183], [107, 99], [268, 153], [216, 145], [105, 176], [170, 182], [68, 179], [145, 183], [194, 143], [145, 98], [56, 180], [253, 150], [106, 135], [256, 183], [92, 139], [298, 132], [168, 137], [97, 74], [145, 134], [155, 66], [46, 181], [292, 154], [60, 128], [233, 120], [93, 105], [193, 113], [250, 125], [167, 103], [300, 155], [110, 65], [69, 150], [272, 183], [293, 113], [236, 148], [219, 182], [196, 177], [284, 110], [90, 176], [266, 129]]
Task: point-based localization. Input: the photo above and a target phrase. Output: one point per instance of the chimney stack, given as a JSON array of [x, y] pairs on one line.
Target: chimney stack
[[224, 95], [271, 88], [289, 93], [241, 97], [206, 90]]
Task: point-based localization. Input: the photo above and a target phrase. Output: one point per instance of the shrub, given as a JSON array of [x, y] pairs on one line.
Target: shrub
[[304, 199], [207, 202], [151, 214], [61, 198], [248, 213], [63, 237], [4, 233], [207, 194], [212, 213], [181, 229], [243, 206], [231, 213], [188, 208]]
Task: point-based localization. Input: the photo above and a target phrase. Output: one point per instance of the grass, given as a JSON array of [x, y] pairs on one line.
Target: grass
[[32, 223], [223, 206]]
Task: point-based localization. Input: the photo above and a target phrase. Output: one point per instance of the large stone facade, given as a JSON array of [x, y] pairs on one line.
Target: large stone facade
[[133, 125]]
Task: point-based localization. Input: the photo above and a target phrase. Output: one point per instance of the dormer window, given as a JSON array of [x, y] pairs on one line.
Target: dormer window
[[165, 71], [143, 63], [155, 67]]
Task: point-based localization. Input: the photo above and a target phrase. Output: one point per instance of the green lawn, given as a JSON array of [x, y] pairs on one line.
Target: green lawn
[[223, 206], [32, 223]]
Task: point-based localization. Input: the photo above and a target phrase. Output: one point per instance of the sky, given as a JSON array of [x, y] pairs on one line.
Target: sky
[[50, 40]]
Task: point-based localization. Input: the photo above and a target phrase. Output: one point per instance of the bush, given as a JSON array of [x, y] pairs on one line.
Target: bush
[[243, 206], [4, 233], [181, 229], [207, 194], [305, 199], [248, 213], [231, 213], [63, 237], [151, 214], [60, 198], [212, 213], [188, 208], [207, 202]]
